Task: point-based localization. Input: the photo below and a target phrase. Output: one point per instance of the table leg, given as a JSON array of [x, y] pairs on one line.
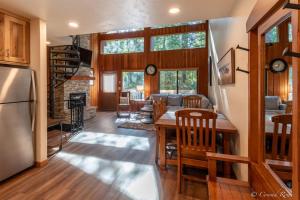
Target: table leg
[[226, 146], [162, 147]]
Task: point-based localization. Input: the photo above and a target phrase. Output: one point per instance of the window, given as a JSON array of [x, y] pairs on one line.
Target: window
[[290, 32], [178, 41], [133, 82], [179, 24], [178, 82], [272, 36], [125, 30], [109, 83], [290, 97], [132, 45]]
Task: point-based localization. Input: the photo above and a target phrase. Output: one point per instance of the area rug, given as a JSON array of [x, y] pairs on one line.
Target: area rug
[[134, 122], [137, 126]]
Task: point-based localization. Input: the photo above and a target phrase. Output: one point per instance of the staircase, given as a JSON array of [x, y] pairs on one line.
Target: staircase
[[64, 64]]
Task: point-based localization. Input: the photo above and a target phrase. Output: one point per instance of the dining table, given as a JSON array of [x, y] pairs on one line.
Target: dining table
[[168, 121]]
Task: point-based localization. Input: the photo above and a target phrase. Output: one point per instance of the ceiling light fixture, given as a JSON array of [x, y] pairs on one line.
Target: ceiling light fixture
[[73, 25], [174, 10]]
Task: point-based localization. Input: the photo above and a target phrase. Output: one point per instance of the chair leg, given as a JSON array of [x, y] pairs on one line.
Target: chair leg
[[179, 175], [157, 148]]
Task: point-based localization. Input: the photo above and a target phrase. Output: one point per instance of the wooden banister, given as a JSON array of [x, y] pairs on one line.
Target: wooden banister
[[227, 158], [214, 157]]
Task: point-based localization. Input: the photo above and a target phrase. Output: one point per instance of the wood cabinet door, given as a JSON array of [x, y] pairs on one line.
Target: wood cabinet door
[[16, 40], [2, 45]]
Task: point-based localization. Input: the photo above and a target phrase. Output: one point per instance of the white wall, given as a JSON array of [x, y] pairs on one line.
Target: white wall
[[232, 100]]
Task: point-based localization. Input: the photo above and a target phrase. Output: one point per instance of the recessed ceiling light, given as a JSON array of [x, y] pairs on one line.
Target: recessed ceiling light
[[48, 43], [73, 24], [174, 10]]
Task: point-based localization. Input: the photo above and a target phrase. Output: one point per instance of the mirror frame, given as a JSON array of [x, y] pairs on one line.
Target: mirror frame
[[261, 176]]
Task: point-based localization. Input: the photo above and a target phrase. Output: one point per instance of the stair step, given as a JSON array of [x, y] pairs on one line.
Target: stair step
[[64, 66], [66, 59], [62, 72], [64, 52], [60, 79]]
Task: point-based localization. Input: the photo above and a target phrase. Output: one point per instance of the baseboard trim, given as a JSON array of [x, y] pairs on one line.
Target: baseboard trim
[[41, 163]]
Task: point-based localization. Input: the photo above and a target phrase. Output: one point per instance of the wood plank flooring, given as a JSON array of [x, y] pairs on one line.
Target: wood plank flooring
[[102, 163]]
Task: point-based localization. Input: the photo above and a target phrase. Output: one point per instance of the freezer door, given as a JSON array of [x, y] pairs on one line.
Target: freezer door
[[16, 139], [15, 84]]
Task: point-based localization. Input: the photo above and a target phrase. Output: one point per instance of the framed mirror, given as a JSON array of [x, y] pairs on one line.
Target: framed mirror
[[277, 112]]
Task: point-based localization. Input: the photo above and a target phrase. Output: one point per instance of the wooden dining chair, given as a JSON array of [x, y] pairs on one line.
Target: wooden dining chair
[[281, 138], [159, 108], [196, 135], [289, 107], [192, 101], [123, 107]]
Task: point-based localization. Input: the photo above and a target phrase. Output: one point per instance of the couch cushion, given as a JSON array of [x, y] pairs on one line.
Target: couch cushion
[[272, 102], [157, 97], [174, 100]]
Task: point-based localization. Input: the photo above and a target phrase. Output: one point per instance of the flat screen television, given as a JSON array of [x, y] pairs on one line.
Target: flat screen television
[[85, 57]]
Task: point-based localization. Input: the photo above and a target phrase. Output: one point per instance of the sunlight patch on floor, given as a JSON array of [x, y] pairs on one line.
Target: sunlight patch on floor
[[137, 181], [113, 140]]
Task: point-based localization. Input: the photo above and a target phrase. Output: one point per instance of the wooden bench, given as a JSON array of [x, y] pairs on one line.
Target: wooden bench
[[225, 188]]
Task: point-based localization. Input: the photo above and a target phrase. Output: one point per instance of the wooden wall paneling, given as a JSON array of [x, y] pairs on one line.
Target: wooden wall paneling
[[183, 59], [95, 89]]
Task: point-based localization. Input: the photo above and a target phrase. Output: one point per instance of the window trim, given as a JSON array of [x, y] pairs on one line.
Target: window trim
[[177, 70], [182, 33]]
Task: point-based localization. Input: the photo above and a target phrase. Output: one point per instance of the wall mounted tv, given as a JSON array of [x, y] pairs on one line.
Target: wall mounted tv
[[85, 57]]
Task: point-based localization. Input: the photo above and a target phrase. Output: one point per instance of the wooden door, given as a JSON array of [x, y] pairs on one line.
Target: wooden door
[[16, 40], [2, 45], [109, 91]]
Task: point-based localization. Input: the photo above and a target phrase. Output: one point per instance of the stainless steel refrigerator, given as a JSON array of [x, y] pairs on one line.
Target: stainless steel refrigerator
[[17, 113]]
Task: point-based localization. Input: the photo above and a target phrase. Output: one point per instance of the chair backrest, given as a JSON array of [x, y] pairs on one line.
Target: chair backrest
[[289, 107], [192, 101], [196, 130], [124, 97], [281, 137], [159, 108]]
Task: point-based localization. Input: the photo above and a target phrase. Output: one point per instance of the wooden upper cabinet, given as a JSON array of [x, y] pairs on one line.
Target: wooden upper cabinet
[[14, 40], [2, 37]]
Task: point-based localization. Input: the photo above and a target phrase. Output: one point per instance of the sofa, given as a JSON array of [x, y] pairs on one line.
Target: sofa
[[175, 101], [274, 103]]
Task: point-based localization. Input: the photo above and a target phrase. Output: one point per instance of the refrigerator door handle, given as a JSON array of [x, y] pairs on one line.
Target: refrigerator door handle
[[34, 101]]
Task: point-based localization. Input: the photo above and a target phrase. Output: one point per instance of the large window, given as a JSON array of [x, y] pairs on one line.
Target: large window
[[132, 45], [178, 82], [133, 82], [272, 36], [179, 24], [178, 41]]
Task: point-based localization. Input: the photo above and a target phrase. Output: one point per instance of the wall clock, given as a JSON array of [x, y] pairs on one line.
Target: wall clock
[[151, 70], [278, 65]]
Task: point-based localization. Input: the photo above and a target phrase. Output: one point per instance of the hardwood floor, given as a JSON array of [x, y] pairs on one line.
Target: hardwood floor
[[102, 163]]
